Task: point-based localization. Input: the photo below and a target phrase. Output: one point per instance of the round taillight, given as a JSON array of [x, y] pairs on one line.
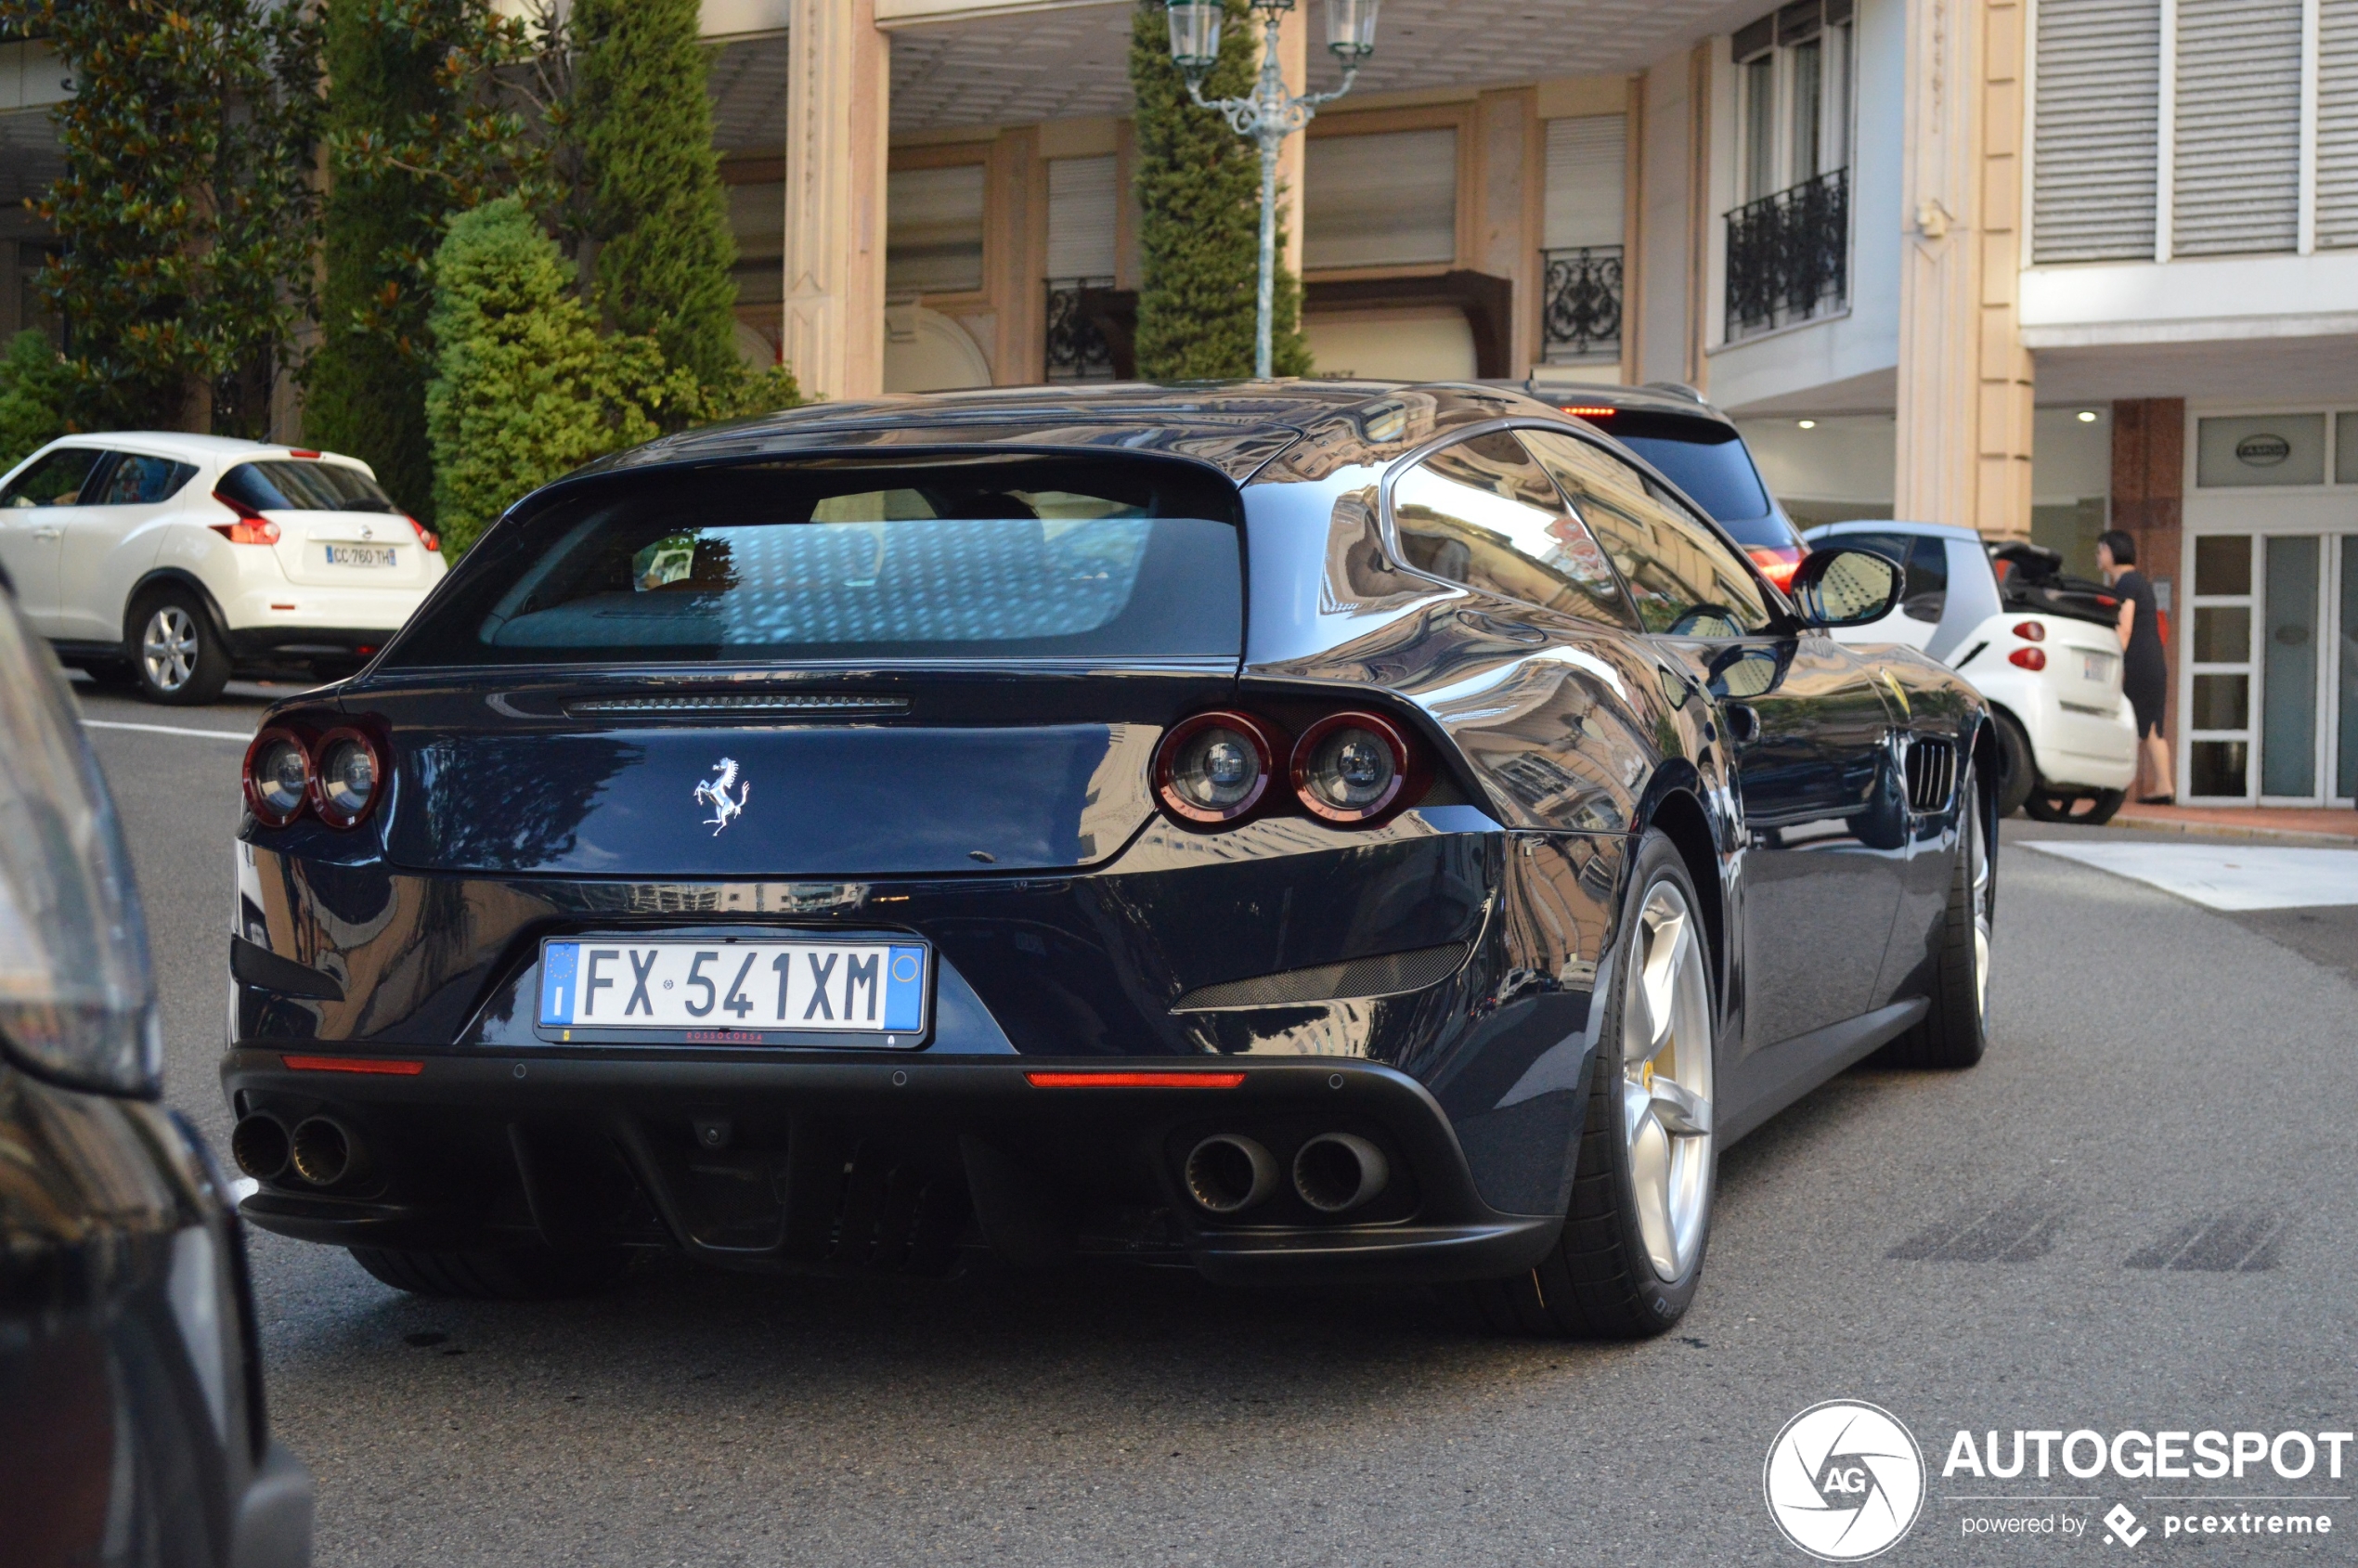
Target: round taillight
[[277, 776], [351, 777], [2030, 632], [2029, 659], [1349, 767], [1213, 768]]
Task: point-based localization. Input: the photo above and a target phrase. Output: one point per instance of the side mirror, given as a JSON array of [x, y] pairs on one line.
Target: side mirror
[[1839, 586]]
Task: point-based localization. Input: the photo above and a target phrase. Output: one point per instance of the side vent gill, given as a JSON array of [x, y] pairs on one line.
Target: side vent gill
[[1388, 975], [1931, 775]]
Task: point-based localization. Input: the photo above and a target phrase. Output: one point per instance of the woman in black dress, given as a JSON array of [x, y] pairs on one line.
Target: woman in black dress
[[2145, 675]]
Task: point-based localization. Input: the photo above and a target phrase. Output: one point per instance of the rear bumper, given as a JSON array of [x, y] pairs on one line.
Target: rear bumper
[[886, 1163], [265, 643]]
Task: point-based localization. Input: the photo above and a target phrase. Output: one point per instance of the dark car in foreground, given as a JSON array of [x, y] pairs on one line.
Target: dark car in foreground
[[1698, 448], [1306, 831], [131, 1414]]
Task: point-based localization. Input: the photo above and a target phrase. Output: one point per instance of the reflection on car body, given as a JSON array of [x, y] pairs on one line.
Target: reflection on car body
[[1331, 819]]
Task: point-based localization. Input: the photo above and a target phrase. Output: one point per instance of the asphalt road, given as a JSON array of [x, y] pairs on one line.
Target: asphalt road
[[2167, 1086]]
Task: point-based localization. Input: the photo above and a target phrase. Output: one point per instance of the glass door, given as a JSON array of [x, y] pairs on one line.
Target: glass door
[[2289, 667], [2343, 673], [2219, 732]]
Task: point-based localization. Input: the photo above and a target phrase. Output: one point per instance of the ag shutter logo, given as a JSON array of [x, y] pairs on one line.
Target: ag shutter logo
[[1845, 1481]]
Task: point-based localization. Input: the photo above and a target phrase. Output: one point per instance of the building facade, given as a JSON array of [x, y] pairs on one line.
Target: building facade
[[2036, 266]]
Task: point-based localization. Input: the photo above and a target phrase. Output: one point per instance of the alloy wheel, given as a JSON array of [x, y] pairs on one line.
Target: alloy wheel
[[1666, 1090], [1977, 869], [168, 648]]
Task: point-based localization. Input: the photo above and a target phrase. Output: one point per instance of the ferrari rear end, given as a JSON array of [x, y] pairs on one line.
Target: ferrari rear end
[[842, 863]]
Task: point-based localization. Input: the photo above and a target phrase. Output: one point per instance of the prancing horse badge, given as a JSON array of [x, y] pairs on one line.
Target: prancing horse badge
[[714, 792]]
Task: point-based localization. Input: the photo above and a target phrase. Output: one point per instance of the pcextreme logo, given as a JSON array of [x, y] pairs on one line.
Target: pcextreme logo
[[1845, 1481]]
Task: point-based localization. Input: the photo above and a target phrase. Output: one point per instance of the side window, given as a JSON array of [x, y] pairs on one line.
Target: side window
[[142, 481], [56, 480], [1482, 513], [1686, 582]]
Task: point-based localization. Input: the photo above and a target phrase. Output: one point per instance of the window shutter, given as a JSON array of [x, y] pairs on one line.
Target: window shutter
[[2337, 123], [1385, 199], [2099, 117], [2238, 155], [1587, 166], [1083, 196]]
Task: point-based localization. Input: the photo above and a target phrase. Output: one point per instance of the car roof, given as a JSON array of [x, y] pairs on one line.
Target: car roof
[[1888, 525], [1235, 426], [193, 448]]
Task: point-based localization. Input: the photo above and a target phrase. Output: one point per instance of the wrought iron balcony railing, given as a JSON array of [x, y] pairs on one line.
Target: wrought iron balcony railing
[[1077, 347], [1580, 303], [1789, 255]]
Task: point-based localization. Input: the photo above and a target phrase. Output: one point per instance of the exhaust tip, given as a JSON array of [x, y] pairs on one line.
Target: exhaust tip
[[258, 1145], [324, 1152], [1337, 1172], [1227, 1173]]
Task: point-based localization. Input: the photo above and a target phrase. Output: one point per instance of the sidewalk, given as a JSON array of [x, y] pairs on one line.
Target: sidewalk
[[2287, 822]]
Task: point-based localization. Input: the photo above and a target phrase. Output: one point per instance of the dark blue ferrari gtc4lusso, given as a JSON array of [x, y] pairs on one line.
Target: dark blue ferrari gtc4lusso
[[1308, 831]]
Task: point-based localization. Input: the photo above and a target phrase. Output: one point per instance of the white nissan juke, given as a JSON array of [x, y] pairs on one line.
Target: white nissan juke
[[171, 561]]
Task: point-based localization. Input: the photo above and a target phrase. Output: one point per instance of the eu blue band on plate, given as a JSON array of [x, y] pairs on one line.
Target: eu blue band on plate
[[904, 989], [558, 963]]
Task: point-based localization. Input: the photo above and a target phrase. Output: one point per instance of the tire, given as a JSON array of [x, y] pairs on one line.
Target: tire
[[176, 658], [512, 1274], [2021, 770], [2054, 805], [1956, 1031], [1627, 1262]]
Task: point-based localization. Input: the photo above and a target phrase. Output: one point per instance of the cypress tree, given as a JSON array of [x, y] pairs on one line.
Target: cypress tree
[[367, 389], [524, 386], [656, 205], [1199, 205]]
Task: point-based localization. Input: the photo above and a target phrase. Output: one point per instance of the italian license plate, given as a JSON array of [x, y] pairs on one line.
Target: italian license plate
[[361, 556], [735, 992], [2096, 666]]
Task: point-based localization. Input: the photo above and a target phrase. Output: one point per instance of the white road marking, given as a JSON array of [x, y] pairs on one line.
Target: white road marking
[[2226, 877], [166, 730]]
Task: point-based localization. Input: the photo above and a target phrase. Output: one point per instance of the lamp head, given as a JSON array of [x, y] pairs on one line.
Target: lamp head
[[1195, 35], [1351, 29]]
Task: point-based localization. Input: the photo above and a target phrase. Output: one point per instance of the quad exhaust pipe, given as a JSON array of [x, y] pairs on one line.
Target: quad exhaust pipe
[[1228, 1172], [322, 1152], [258, 1144], [1334, 1172]]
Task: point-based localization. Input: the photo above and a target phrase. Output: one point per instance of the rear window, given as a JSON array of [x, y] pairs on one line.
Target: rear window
[[1706, 459], [291, 485], [974, 559]]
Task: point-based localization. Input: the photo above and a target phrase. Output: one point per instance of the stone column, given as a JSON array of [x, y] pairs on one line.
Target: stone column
[[838, 134], [1965, 381], [1293, 58]]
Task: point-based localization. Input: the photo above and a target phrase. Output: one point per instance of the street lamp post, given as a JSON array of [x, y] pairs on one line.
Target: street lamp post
[[1271, 114]]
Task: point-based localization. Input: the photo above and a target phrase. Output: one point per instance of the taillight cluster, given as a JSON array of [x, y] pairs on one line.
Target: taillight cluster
[[2032, 659], [1777, 563], [250, 527], [336, 776], [1354, 768]]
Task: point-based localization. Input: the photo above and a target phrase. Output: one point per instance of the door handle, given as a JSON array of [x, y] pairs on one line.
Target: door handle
[[46, 533], [1744, 723], [1494, 627]]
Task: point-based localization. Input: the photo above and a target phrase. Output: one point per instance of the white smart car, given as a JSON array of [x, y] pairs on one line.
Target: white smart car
[[173, 561], [2054, 680]]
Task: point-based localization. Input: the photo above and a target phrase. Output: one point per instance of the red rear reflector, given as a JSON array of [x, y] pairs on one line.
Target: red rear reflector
[[1589, 413], [2029, 659], [1135, 1080], [362, 1064]]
